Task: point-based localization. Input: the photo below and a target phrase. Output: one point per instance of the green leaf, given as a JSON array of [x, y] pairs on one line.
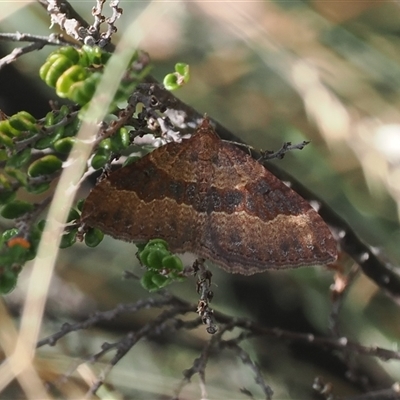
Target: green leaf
[[64, 111], [172, 262], [105, 144], [171, 82], [183, 70], [7, 130], [44, 166], [93, 237], [5, 182], [16, 209], [79, 204], [121, 140], [23, 121], [100, 159], [5, 140], [41, 225], [82, 92], [3, 155], [153, 253], [94, 55], [160, 280], [72, 128], [12, 257], [8, 234], [17, 174], [6, 196], [44, 70], [49, 119], [73, 215], [143, 254], [158, 243], [178, 78], [38, 188], [70, 52], [8, 281], [74, 74], [147, 281], [68, 239], [19, 159], [47, 141], [155, 258], [130, 160], [51, 73], [64, 145], [36, 234]]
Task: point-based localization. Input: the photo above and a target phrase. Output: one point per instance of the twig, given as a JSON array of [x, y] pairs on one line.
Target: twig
[[167, 321], [342, 344], [63, 14], [18, 52], [45, 131], [24, 224], [116, 14], [322, 388], [65, 7], [51, 40], [251, 328], [244, 356], [268, 154], [199, 367], [98, 16], [156, 327], [339, 291], [279, 154], [107, 316], [99, 19]]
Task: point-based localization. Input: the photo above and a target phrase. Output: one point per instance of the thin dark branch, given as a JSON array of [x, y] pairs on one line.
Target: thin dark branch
[[342, 344], [279, 154], [339, 292], [51, 40], [18, 52], [37, 43], [245, 358], [108, 315], [167, 321], [251, 328], [155, 327]]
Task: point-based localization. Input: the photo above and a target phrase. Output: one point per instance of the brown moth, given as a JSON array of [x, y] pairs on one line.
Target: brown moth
[[210, 198]]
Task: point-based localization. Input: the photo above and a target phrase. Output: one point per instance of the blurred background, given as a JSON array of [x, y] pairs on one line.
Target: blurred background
[[271, 72]]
